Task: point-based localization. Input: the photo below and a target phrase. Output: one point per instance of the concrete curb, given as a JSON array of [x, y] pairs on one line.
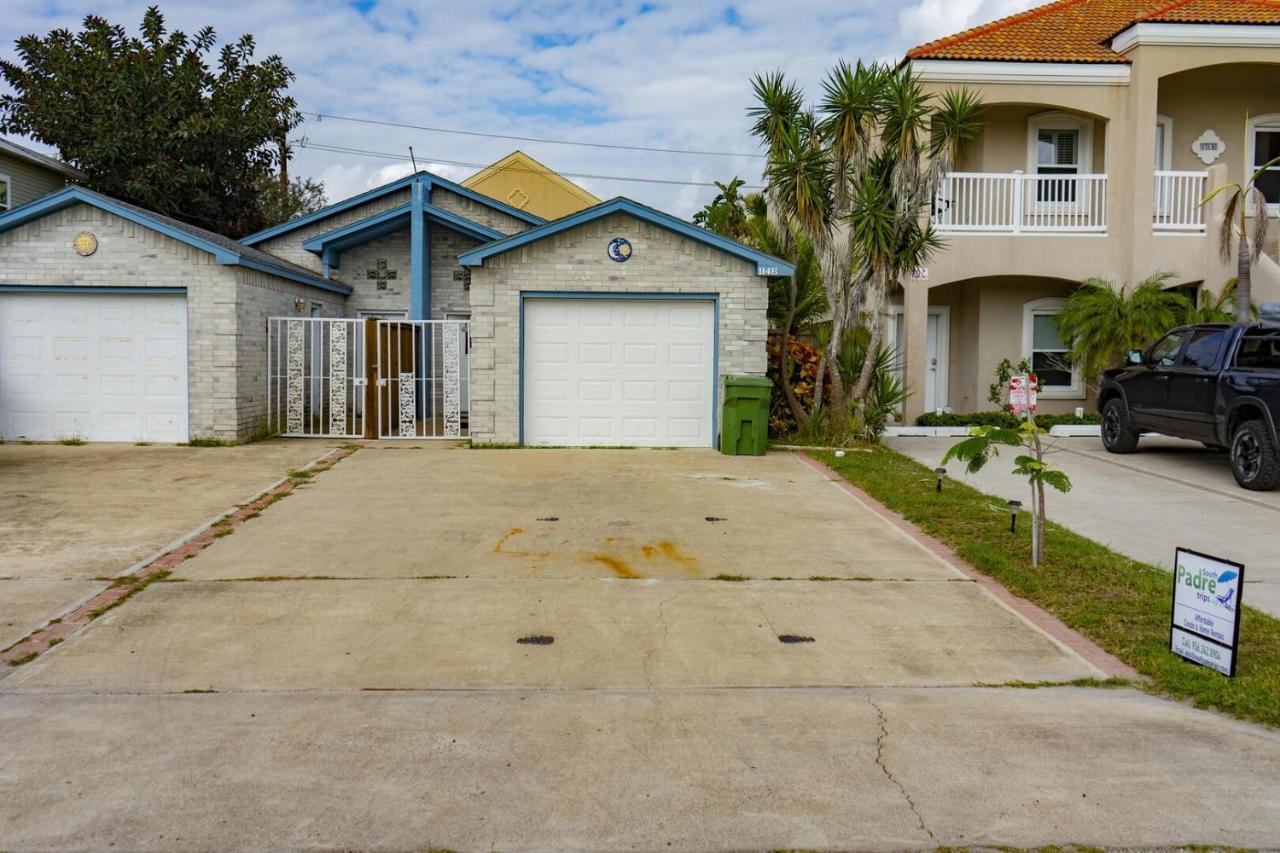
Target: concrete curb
[[1089, 651], [41, 640]]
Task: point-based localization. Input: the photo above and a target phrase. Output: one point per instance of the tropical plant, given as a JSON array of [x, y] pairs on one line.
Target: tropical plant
[[1102, 322], [983, 444], [727, 213], [147, 120], [855, 177], [886, 391], [1219, 308], [1241, 199], [998, 391], [800, 362]]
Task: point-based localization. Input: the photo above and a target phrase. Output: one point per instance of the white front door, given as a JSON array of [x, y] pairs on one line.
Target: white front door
[[102, 368], [619, 372], [937, 353]]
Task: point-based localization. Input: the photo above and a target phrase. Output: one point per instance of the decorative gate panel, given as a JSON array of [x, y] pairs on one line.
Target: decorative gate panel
[[422, 369], [316, 373]]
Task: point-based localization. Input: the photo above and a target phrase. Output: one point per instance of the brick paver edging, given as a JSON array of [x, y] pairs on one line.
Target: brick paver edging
[[41, 640], [1081, 645]]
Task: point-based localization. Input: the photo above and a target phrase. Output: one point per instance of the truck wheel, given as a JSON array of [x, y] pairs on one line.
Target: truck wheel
[[1118, 434], [1254, 460]]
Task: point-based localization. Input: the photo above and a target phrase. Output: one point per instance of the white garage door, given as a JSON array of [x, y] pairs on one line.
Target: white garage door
[[625, 372], [109, 367]]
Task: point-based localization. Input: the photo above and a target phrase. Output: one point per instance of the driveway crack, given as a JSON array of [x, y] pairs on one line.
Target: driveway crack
[[666, 630], [884, 734]]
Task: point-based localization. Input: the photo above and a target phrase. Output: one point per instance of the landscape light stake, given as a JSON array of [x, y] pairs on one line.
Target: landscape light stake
[[940, 473], [1014, 506]]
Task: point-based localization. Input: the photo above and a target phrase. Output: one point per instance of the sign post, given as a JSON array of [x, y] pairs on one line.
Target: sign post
[[1205, 623]]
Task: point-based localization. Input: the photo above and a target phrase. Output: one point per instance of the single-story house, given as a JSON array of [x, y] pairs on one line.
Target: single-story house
[[419, 309]]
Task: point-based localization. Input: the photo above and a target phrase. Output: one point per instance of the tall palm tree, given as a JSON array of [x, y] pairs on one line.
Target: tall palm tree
[[1241, 199], [855, 177], [1103, 322]]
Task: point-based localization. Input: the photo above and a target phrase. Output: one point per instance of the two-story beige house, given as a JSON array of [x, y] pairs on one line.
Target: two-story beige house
[[27, 175], [1106, 123]]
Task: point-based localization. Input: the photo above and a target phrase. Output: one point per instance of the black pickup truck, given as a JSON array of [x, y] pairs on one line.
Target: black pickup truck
[[1215, 383]]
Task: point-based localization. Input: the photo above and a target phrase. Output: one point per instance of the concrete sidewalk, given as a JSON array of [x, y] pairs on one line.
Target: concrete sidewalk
[[1170, 493]]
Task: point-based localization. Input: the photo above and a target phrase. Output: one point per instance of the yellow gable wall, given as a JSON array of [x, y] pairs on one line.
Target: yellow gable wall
[[524, 183]]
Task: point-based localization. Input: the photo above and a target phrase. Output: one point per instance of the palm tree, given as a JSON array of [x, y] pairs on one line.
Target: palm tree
[[854, 178], [1216, 309], [1103, 322], [1241, 199], [727, 213]]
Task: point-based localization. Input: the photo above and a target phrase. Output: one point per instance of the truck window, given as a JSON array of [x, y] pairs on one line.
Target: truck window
[[1203, 349], [1259, 352], [1164, 352]]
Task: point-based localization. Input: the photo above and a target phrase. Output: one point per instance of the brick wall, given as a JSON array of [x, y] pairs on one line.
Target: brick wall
[[477, 212], [354, 272], [226, 306], [575, 260], [289, 245]]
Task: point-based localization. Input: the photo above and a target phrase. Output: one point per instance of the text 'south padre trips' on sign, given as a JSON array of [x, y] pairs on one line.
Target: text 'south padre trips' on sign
[[1205, 626]]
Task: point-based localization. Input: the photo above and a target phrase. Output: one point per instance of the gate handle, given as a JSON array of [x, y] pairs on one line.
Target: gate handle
[[382, 383]]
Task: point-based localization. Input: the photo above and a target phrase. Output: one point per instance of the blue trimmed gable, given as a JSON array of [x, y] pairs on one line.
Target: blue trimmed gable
[[224, 250], [765, 265]]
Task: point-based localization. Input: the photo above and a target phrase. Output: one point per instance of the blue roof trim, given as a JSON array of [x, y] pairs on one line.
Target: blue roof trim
[[766, 265], [361, 231], [461, 224], [224, 251], [387, 189], [73, 195]]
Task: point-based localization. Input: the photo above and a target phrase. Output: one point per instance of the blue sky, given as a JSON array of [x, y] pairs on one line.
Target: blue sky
[[636, 72]]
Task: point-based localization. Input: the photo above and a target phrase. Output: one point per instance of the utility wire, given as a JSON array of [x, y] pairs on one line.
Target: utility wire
[[321, 116], [387, 155]]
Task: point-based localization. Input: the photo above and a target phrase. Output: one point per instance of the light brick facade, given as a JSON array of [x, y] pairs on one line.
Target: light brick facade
[[227, 306], [575, 260]]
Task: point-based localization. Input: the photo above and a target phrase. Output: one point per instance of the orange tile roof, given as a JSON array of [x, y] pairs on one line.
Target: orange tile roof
[[1079, 30]]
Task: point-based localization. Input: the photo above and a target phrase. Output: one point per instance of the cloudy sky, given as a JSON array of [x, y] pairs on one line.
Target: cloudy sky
[[653, 73]]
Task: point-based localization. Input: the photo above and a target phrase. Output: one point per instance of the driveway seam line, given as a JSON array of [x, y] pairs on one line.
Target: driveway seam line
[[1041, 620], [79, 616], [1195, 487]]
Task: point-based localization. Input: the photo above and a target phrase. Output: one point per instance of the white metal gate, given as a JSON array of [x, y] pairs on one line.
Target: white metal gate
[[422, 367], [367, 378]]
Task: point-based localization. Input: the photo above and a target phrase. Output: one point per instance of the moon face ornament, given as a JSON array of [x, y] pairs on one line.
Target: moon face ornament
[[619, 249]]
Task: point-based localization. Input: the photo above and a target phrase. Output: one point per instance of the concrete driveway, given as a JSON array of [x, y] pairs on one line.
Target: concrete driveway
[[1170, 493], [347, 670], [70, 516]]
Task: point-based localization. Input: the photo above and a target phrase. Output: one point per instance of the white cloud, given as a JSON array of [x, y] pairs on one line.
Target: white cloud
[[659, 73]]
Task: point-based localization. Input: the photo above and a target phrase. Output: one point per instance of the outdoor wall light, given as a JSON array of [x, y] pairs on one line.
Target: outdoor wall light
[[1014, 506], [940, 473], [299, 304]]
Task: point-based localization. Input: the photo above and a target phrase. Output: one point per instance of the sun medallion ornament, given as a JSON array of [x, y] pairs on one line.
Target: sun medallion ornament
[[85, 244], [620, 249]]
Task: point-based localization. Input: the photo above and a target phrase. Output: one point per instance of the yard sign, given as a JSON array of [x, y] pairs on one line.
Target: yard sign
[[1205, 624]]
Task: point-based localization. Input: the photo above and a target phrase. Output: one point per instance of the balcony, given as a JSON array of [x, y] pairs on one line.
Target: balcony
[[1018, 203], [1176, 203]]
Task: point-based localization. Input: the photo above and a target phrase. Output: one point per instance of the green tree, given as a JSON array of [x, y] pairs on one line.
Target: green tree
[[727, 213], [284, 199], [856, 177], [1103, 322], [1241, 199], [147, 120]]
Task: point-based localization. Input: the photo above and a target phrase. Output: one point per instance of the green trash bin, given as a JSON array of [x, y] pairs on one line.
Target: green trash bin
[[745, 428]]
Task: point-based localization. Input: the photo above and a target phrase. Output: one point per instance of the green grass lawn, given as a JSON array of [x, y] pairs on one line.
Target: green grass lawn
[[1121, 604]]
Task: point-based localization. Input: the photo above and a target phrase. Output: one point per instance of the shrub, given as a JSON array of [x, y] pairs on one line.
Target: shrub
[[1002, 419], [804, 357]]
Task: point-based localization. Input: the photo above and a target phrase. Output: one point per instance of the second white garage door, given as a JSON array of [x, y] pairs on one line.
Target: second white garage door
[[110, 367], [619, 371]]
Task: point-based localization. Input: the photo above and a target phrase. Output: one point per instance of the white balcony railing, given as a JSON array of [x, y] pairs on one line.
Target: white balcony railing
[[1176, 201], [1017, 203]]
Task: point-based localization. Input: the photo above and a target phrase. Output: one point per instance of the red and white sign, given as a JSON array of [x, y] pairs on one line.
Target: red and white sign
[[1022, 393]]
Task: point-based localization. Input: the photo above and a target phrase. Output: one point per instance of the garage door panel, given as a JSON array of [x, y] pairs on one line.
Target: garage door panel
[[634, 372], [101, 367]]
